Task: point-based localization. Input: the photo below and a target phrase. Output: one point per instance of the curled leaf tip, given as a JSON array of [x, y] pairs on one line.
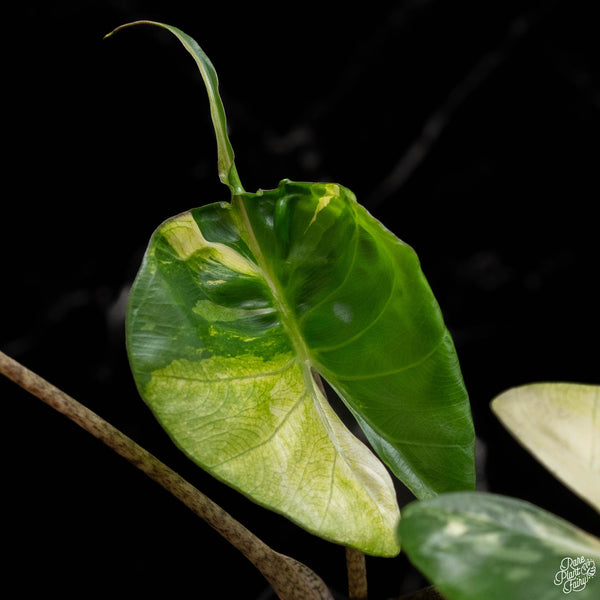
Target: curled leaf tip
[[226, 165], [124, 25]]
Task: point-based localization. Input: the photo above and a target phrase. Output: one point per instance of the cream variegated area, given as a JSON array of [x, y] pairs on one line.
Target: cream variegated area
[[559, 423], [331, 190], [265, 427], [185, 237]]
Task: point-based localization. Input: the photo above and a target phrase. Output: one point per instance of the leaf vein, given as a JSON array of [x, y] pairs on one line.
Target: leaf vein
[[342, 283], [226, 379], [366, 328], [270, 437], [362, 377]]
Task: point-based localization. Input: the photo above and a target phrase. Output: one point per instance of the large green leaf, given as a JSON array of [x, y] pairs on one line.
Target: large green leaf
[[477, 546], [238, 310], [559, 423]]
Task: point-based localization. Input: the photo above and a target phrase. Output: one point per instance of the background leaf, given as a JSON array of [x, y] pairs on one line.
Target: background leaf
[[559, 423], [474, 545]]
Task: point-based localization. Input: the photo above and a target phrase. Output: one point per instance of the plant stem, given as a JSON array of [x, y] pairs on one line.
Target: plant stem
[[357, 574], [290, 579]]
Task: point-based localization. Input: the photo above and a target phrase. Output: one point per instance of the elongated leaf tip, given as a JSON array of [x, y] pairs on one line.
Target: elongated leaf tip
[[227, 171], [116, 29], [124, 25]]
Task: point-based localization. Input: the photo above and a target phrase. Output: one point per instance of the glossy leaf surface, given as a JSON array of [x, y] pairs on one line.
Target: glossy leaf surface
[[559, 423], [238, 310], [234, 306], [474, 545]]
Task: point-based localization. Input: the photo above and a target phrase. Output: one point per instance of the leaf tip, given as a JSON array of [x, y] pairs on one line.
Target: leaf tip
[[124, 25]]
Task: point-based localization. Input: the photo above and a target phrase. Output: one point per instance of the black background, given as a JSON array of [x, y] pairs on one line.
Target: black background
[[469, 128]]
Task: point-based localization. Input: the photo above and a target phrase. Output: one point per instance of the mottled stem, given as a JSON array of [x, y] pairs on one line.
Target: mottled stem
[[290, 579], [357, 574]]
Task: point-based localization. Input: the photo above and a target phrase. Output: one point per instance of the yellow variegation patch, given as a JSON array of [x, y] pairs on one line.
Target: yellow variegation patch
[[240, 418]]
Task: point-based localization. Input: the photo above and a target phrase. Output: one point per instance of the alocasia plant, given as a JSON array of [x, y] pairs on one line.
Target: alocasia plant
[[240, 308]]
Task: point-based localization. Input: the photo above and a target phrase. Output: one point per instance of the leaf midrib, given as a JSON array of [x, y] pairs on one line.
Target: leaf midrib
[[290, 326], [288, 320]]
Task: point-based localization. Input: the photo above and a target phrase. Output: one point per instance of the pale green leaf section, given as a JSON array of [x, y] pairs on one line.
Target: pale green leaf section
[[476, 546], [559, 423], [265, 427]]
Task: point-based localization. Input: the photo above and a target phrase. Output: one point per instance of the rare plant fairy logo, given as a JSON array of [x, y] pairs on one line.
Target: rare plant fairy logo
[[574, 573]]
